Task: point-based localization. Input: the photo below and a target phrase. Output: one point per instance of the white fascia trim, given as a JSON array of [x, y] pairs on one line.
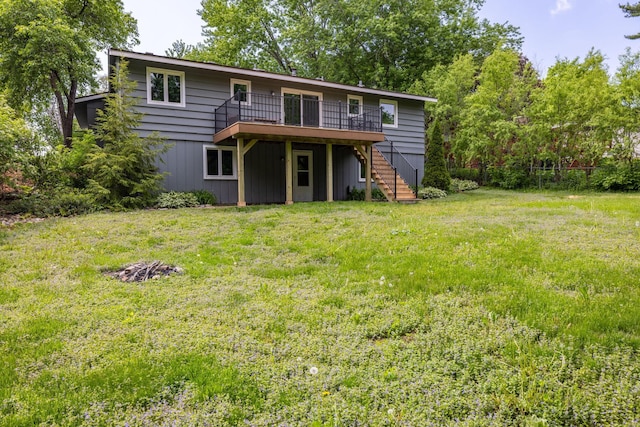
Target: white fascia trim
[[264, 74]]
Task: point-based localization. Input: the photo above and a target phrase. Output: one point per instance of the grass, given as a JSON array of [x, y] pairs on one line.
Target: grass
[[485, 308]]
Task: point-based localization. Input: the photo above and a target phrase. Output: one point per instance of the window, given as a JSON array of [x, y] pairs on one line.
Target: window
[[219, 162], [389, 113], [354, 103], [301, 108], [362, 172], [165, 87], [241, 91]]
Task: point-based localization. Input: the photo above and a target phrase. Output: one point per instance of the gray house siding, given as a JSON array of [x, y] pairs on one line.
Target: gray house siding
[[191, 127]]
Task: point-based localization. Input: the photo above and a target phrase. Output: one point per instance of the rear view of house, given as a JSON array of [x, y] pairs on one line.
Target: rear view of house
[[251, 136]]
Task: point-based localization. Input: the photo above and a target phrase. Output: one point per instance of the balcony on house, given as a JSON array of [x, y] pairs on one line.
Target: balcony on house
[[296, 116]]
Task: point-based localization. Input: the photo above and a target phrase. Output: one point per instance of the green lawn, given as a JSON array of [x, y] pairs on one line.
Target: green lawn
[[485, 308]]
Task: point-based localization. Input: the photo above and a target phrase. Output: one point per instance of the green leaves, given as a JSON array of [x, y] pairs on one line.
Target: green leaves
[[49, 49], [383, 44]]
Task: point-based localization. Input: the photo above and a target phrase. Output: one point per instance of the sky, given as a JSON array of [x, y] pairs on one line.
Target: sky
[[551, 28]]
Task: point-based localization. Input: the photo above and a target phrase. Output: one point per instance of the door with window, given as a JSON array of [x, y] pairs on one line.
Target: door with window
[[301, 108], [302, 175]]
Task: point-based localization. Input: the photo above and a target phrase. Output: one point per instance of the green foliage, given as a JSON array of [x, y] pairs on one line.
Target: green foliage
[[122, 173], [319, 38], [55, 202], [508, 177], [612, 176], [177, 200], [15, 144], [431, 193], [204, 197], [631, 10], [468, 174], [359, 194], [49, 49], [459, 185], [435, 168]]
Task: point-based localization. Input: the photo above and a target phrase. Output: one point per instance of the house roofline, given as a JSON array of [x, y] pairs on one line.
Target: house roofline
[[93, 97], [264, 74]]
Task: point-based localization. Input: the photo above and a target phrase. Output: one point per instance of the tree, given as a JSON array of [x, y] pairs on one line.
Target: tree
[[123, 172], [576, 107], [384, 44], [179, 49], [48, 49], [491, 124], [625, 117], [631, 11], [450, 85], [435, 168], [15, 138]]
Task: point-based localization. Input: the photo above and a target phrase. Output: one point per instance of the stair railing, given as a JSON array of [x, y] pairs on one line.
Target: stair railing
[[401, 166]]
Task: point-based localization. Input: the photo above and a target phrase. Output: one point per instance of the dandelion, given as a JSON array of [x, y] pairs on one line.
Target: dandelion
[[381, 280], [313, 370], [637, 223], [391, 411]]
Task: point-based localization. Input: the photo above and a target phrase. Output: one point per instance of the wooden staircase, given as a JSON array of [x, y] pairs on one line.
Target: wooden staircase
[[383, 175]]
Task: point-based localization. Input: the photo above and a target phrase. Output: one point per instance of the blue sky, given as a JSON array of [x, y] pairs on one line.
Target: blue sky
[[551, 28]]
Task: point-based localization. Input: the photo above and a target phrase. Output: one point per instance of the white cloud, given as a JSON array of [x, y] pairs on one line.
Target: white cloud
[[561, 6]]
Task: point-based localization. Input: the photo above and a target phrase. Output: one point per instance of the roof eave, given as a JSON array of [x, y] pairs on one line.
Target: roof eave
[[264, 74]]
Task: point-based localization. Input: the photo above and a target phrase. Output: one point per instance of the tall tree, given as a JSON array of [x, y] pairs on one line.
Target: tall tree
[[384, 44], [435, 168], [631, 11], [123, 172], [48, 48], [450, 85], [491, 123], [575, 106]]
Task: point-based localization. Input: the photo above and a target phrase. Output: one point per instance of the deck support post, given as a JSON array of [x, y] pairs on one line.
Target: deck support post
[[240, 158], [329, 172], [367, 175], [289, 172]]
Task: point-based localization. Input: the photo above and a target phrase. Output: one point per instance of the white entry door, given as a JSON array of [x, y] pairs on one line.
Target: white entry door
[[302, 176]]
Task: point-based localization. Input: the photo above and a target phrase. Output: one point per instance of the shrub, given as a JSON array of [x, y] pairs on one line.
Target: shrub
[[435, 168], [458, 185], [467, 174], [358, 194], [67, 202], [431, 193], [205, 197], [176, 200], [617, 177], [508, 177]]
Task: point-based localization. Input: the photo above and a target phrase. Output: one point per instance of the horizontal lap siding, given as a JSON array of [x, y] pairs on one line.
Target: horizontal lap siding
[[188, 128]]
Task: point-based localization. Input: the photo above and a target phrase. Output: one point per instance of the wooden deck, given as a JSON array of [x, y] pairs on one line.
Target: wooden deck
[[277, 132]]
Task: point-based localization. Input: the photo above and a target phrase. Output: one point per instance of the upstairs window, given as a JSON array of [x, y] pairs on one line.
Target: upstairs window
[[219, 163], [354, 103], [389, 113], [241, 91], [165, 87]]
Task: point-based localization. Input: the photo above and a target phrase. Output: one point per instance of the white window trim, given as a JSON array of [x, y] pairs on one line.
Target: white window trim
[[166, 73], [360, 104], [302, 92], [395, 116], [359, 169], [205, 149], [241, 82]]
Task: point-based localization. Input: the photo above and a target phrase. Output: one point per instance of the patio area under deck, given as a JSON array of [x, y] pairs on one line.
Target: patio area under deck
[[244, 135]]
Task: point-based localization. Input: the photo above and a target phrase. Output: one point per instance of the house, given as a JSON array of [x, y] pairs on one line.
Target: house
[[251, 136]]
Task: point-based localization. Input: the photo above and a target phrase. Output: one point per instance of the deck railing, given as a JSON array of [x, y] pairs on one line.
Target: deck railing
[[296, 110]]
